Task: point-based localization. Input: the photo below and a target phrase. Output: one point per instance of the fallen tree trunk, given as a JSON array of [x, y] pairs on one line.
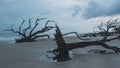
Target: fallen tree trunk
[[62, 50], [71, 46], [62, 53]]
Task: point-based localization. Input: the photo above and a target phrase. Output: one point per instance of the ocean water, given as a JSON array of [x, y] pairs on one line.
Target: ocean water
[[8, 37]]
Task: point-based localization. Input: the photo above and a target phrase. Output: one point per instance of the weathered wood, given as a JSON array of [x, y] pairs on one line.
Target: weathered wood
[[29, 34], [98, 51], [62, 51], [71, 46], [75, 34], [63, 48]]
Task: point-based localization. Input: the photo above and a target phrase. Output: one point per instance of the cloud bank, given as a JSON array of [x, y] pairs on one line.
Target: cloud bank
[[71, 15], [99, 8]]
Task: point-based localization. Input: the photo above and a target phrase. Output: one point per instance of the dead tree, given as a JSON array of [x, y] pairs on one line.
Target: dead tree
[[63, 48], [30, 33], [75, 34], [107, 28], [62, 53], [117, 28]]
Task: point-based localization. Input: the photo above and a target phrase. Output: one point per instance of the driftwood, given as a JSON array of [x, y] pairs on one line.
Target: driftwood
[[75, 34], [62, 53], [30, 33], [71, 46], [101, 52], [63, 48], [104, 28]]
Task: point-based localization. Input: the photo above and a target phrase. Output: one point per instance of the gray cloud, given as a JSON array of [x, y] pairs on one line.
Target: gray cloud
[[62, 11], [93, 10], [76, 9], [100, 8], [96, 10]]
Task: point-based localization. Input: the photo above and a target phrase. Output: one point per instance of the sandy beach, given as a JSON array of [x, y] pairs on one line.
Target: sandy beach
[[27, 55], [82, 34]]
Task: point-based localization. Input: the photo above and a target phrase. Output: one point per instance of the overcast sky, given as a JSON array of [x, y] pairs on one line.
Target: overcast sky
[[71, 15]]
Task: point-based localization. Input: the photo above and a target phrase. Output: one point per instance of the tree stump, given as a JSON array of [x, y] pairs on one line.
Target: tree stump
[[62, 53]]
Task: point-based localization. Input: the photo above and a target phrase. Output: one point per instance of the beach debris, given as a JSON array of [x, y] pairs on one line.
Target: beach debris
[[30, 33], [109, 28], [98, 51], [101, 52], [75, 34], [63, 48], [62, 53]]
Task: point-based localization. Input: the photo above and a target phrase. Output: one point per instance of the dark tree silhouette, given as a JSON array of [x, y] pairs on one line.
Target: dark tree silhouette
[[61, 52], [117, 28], [29, 33], [63, 48], [106, 29]]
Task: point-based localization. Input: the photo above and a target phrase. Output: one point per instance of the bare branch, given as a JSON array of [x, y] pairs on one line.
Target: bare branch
[[20, 27], [31, 36], [100, 27], [110, 39], [49, 22], [29, 26], [12, 30], [75, 34], [45, 29], [63, 48], [107, 28], [41, 36], [36, 24]]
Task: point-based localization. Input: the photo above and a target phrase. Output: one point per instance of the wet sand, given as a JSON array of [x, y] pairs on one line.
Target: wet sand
[[26, 55]]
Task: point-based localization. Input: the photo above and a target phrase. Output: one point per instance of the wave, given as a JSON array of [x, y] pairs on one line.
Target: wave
[[7, 38]]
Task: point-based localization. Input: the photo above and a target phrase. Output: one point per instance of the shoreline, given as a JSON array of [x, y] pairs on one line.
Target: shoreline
[[26, 55]]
